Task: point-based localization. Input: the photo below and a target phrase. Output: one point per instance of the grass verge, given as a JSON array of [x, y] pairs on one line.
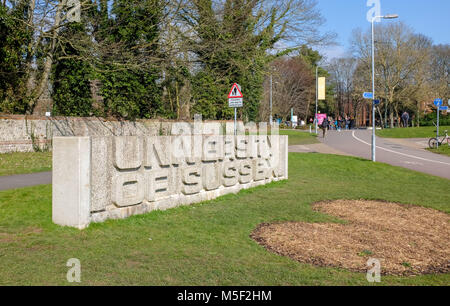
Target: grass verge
[[20, 163], [413, 132], [444, 150], [206, 243]]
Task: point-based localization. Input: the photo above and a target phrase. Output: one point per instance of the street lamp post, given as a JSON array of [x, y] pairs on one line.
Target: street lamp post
[[373, 82], [270, 117], [317, 96]]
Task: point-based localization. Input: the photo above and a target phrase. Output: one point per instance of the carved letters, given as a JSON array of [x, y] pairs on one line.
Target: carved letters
[[158, 167]]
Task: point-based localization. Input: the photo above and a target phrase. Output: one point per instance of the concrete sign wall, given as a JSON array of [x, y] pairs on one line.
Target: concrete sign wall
[[100, 178]]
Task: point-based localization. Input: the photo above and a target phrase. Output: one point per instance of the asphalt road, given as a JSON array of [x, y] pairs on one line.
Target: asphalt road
[[25, 180], [358, 143]]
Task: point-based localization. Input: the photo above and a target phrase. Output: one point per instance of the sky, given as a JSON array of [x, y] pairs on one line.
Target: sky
[[428, 17]]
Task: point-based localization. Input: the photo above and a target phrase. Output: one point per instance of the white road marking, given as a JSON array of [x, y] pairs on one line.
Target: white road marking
[[413, 163], [407, 155]]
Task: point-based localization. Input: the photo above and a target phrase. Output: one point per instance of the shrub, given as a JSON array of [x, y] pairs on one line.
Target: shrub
[[428, 119]]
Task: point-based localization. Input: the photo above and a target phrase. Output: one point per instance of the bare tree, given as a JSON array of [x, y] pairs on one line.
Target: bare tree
[[400, 53], [293, 87], [341, 71], [440, 71]]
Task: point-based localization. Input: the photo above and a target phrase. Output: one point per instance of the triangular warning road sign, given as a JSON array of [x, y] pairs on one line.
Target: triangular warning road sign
[[235, 92]]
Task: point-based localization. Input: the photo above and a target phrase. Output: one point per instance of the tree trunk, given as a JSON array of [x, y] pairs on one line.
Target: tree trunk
[[391, 117], [381, 117], [391, 108], [418, 113], [30, 53], [307, 109], [185, 98], [178, 100], [397, 116], [43, 83]]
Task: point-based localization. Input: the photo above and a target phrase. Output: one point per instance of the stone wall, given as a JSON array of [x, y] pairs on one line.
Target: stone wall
[[110, 177], [27, 133]]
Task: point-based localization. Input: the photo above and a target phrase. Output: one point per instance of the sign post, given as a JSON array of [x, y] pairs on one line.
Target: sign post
[[320, 93], [438, 103], [235, 100], [371, 96], [368, 95]]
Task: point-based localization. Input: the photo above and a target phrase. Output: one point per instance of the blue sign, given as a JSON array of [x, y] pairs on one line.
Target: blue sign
[[368, 95], [376, 102], [438, 102], [443, 108]]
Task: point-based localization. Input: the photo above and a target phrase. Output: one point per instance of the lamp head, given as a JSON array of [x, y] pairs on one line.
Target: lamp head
[[390, 16]]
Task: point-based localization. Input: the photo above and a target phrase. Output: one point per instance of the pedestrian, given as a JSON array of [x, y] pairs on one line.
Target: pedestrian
[[405, 119], [325, 125]]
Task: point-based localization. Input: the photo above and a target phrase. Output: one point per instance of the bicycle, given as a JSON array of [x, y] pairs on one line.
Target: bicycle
[[433, 143]]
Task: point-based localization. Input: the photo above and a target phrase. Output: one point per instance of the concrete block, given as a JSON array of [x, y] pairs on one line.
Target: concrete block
[[112, 177], [101, 173], [71, 181]]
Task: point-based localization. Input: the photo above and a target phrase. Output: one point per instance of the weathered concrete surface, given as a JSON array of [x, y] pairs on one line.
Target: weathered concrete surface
[[71, 193], [100, 178]]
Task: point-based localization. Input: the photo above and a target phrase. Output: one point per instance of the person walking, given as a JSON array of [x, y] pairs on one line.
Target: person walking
[[352, 123], [324, 126], [405, 119], [338, 124]]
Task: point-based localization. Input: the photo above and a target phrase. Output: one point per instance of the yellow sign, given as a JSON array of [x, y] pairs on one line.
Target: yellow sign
[[321, 89]]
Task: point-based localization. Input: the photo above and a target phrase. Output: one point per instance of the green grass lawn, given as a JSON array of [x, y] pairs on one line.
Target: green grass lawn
[[444, 149], [299, 137], [19, 163], [413, 132], [206, 243]]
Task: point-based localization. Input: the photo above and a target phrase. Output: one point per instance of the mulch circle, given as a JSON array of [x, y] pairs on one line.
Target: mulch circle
[[406, 239]]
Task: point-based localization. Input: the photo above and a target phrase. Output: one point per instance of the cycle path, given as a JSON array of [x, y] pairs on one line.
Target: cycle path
[[358, 143], [25, 180]]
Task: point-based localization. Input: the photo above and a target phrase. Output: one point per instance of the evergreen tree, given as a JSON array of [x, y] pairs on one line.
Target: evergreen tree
[[131, 91], [231, 49], [71, 75], [14, 37]]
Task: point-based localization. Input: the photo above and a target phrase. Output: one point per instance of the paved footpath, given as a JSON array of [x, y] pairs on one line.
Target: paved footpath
[[25, 180], [315, 148], [399, 152]]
